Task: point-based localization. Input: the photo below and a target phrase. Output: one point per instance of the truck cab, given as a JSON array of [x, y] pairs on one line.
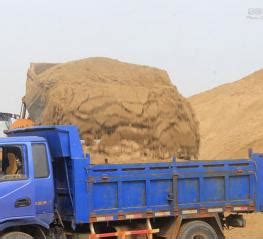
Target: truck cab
[[26, 182]]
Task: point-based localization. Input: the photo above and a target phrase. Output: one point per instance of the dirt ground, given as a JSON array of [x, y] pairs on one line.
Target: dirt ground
[[253, 230]]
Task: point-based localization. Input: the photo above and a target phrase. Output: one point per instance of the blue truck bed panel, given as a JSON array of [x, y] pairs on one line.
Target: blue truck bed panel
[[88, 193], [170, 187]]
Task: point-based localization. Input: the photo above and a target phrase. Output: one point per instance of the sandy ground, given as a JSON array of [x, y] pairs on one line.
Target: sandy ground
[[253, 230]]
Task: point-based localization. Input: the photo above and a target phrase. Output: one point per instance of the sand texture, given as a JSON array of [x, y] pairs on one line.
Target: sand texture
[[253, 229], [125, 112], [231, 118]]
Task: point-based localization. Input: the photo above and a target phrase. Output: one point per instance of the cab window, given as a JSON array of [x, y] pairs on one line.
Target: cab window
[[12, 166], [40, 159]]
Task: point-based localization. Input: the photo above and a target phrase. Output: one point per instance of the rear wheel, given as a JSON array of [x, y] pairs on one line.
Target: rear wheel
[[16, 235], [197, 230]]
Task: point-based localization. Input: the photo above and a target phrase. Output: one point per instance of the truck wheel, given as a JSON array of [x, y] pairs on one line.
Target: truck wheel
[[197, 230], [16, 235]]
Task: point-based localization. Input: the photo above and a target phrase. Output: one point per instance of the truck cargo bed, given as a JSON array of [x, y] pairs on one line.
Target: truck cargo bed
[[162, 189]]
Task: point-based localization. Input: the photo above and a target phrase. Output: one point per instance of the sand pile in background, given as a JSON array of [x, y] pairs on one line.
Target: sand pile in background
[[126, 112], [231, 118]]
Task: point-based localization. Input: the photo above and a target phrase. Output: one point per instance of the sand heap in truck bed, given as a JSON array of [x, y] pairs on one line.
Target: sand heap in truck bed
[[125, 112]]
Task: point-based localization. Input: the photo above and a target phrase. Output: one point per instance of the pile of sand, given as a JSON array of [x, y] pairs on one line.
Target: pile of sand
[[231, 118], [125, 112]]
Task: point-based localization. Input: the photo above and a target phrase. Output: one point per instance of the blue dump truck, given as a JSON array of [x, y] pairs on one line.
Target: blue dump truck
[[50, 189]]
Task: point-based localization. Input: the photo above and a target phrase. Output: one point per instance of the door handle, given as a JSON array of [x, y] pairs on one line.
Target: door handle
[[23, 202]]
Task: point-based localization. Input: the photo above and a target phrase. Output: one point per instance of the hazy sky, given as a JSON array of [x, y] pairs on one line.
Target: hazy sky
[[200, 43]]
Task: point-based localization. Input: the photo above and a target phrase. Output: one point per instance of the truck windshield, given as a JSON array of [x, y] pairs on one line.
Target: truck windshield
[[12, 166]]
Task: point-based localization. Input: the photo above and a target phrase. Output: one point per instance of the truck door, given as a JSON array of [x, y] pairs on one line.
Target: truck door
[[16, 186], [43, 181]]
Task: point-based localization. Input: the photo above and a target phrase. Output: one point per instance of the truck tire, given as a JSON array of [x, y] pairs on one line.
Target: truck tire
[[16, 235], [197, 230]]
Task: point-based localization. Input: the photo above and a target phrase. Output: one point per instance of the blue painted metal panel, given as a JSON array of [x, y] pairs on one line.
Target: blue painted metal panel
[[80, 196], [102, 200], [214, 189], [138, 196], [188, 190], [259, 180], [160, 191], [239, 187]]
